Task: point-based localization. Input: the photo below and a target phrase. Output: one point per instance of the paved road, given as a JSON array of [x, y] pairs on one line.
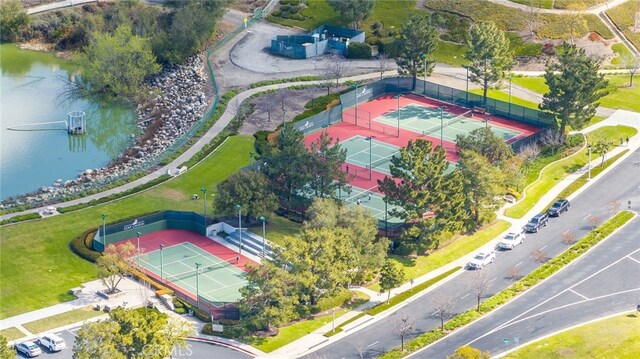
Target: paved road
[[379, 336], [605, 281], [193, 350]]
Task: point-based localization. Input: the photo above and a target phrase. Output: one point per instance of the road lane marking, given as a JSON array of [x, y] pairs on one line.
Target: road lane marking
[[466, 295], [493, 280], [519, 263], [578, 294], [512, 320], [543, 247], [372, 344], [633, 259]]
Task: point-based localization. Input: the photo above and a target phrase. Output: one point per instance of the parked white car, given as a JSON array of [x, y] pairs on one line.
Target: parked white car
[[511, 240], [28, 348], [52, 342], [481, 259]]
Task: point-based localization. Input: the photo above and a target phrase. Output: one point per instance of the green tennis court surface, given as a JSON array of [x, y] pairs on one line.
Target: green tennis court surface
[[427, 121], [371, 200], [217, 281], [362, 152]]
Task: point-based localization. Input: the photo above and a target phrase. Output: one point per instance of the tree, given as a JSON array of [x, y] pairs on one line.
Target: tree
[[538, 256], [442, 306], [527, 154], [514, 273], [391, 276], [614, 207], [631, 63], [468, 352], [552, 139], [114, 264], [118, 64], [326, 159], [574, 88], [189, 28], [479, 285], [383, 64], [417, 41], [481, 186], [593, 221], [601, 147], [485, 142], [359, 226], [286, 163], [13, 20], [131, 333], [337, 68], [488, 54], [402, 327], [249, 189], [533, 18], [568, 237], [353, 10], [5, 351]]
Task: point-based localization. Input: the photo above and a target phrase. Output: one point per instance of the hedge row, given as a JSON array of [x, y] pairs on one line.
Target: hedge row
[[533, 278], [79, 245], [20, 218], [281, 81]]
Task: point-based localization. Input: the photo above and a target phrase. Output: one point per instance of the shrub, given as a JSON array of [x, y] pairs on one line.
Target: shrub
[[337, 300], [389, 47], [180, 310], [372, 40], [359, 50], [177, 303], [20, 218], [574, 141], [79, 247]]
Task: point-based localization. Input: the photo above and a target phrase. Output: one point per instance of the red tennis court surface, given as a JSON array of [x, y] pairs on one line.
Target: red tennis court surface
[[388, 103], [169, 237]]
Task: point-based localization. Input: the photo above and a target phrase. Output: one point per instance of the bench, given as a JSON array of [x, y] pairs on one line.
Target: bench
[[482, 110]]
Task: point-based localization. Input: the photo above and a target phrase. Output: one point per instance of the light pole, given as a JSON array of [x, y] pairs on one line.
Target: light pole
[[204, 207], [370, 139], [386, 227], [424, 56], [263, 235], [333, 319], [441, 108], [467, 93], [239, 208], [138, 234], [510, 77], [198, 284], [326, 128], [589, 177], [398, 97], [104, 234], [355, 86], [161, 263]]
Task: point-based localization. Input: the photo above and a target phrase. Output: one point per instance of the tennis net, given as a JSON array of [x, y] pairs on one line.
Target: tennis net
[[447, 123], [381, 162], [203, 269]]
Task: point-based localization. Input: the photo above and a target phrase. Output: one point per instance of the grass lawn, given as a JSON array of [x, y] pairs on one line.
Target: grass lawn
[[620, 49], [463, 245], [450, 53], [48, 269], [620, 96], [623, 16], [299, 329], [12, 333], [553, 174], [277, 229], [616, 337], [62, 319], [504, 96], [543, 4]]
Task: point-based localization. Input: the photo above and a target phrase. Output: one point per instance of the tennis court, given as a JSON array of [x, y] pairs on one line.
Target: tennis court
[[371, 200], [196, 271], [427, 121], [368, 153]]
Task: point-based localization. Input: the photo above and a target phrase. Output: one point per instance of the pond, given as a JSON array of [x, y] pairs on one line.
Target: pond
[[33, 88]]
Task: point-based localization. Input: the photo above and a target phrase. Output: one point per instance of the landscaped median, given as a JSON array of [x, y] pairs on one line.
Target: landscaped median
[[541, 273], [555, 172]]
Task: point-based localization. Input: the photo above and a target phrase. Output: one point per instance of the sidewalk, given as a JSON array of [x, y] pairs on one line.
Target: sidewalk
[[316, 339]]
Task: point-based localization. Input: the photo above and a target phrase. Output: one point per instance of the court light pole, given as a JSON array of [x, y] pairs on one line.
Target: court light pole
[[138, 234], [467, 93], [370, 139], [239, 208], [204, 207], [104, 234], [510, 77], [198, 284], [441, 108], [424, 56], [355, 86], [589, 177], [161, 263], [398, 97], [263, 220]]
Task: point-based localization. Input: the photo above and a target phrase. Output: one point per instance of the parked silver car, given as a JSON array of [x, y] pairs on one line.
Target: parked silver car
[[511, 240], [28, 348], [481, 259]]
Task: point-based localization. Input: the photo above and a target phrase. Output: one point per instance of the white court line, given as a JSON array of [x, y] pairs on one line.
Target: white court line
[[578, 294]]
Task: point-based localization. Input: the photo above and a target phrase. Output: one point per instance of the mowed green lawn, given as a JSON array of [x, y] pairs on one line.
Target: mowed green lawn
[[556, 172], [504, 96], [617, 337], [620, 95], [36, 266]]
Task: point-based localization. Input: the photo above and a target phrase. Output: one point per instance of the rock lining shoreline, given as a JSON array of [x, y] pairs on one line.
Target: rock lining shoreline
[[179, 104]]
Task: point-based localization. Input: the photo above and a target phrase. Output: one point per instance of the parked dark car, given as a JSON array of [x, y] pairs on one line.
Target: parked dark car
[[561, 205], [538, 221]]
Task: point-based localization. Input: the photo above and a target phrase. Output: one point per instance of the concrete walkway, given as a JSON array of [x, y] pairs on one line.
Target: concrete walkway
[[593, 10], [56, 5]]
